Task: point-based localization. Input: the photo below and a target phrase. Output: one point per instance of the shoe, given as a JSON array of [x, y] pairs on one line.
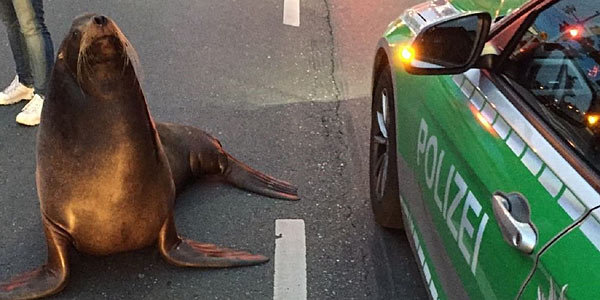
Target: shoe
[[30, 115], [15, 92]]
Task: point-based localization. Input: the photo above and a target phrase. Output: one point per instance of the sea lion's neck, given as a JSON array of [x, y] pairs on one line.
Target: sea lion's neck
[[77, 107], [111, 83]]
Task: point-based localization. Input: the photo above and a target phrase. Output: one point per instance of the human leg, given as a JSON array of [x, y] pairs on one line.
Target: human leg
[[30, 15], [16, 42]]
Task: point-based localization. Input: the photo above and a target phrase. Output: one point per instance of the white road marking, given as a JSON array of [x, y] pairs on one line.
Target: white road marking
[[291, 12], [290, 260]]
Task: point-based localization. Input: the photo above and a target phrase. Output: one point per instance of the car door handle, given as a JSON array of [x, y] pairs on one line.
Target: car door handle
[[513, 215]]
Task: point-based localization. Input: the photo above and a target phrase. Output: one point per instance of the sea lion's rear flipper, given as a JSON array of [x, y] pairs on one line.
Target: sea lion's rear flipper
[[188, 253], [193, 153], [48, 279], [244, 177]]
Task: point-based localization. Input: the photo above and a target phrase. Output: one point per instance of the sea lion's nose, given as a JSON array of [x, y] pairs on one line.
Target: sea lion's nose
[[100, 20]]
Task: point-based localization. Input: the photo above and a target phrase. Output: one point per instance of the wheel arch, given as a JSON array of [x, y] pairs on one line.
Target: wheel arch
[[382, 58]]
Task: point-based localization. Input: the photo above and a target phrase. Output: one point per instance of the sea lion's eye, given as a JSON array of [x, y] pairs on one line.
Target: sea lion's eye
[[75, 33]]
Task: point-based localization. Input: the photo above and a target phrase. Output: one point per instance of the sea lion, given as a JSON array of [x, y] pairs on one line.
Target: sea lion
[[107, 174]]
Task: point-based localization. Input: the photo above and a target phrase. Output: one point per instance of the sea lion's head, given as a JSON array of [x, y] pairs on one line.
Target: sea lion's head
[[95, 51]]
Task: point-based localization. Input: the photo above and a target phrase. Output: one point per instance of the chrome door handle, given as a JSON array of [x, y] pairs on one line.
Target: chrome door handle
[[513, 216]]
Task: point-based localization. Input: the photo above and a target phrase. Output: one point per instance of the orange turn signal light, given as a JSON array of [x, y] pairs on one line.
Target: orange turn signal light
[[593, 119], [407, 54]]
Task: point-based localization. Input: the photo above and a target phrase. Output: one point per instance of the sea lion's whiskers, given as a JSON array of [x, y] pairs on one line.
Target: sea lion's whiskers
[[83, 67], [132, 57], [82, 58]]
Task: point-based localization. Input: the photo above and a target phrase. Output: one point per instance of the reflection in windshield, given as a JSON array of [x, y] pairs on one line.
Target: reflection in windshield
[[561, 52], [558, 61]]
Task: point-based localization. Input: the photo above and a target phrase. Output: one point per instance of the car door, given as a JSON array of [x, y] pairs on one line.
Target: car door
[[552, 76], [464, 151], [469, 145]]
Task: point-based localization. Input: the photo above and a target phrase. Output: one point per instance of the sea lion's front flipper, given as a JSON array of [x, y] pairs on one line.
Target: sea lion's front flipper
[[188, 253], [244, 177], [48, 279]]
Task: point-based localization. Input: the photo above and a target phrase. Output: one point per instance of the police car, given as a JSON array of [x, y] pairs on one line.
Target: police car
[[485, 145]]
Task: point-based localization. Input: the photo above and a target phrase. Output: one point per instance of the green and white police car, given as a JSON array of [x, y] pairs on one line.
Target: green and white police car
[[491, 164]]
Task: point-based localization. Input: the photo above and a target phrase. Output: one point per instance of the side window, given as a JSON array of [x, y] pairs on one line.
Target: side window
[[557, 63]]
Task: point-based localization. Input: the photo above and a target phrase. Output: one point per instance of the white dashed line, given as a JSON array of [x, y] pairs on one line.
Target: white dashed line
[[291, 12], [290, 260]]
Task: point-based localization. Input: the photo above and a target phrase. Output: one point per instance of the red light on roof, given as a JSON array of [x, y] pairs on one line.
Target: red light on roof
[[574, 32]]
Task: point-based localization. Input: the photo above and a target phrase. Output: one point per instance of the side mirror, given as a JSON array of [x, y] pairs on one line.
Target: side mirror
[[450, 46]]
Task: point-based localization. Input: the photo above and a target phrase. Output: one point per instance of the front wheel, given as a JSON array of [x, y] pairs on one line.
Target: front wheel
[[383, 174]]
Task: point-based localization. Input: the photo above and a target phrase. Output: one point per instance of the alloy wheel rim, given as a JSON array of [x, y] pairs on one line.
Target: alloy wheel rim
[[381, 145]]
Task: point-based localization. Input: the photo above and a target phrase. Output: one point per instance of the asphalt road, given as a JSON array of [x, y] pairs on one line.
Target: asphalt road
[[290, 101]]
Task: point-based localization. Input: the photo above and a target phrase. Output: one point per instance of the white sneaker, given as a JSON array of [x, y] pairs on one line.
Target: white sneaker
[[30, 115], [15, 92]]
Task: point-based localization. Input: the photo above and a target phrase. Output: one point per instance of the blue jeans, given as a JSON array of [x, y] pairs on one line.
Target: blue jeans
[[30, 41]]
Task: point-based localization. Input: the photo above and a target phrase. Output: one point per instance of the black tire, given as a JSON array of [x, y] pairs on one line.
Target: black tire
[[383, 173]]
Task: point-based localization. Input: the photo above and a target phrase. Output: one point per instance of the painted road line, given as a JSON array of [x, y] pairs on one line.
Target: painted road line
[[290, 260], [291, 12]]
